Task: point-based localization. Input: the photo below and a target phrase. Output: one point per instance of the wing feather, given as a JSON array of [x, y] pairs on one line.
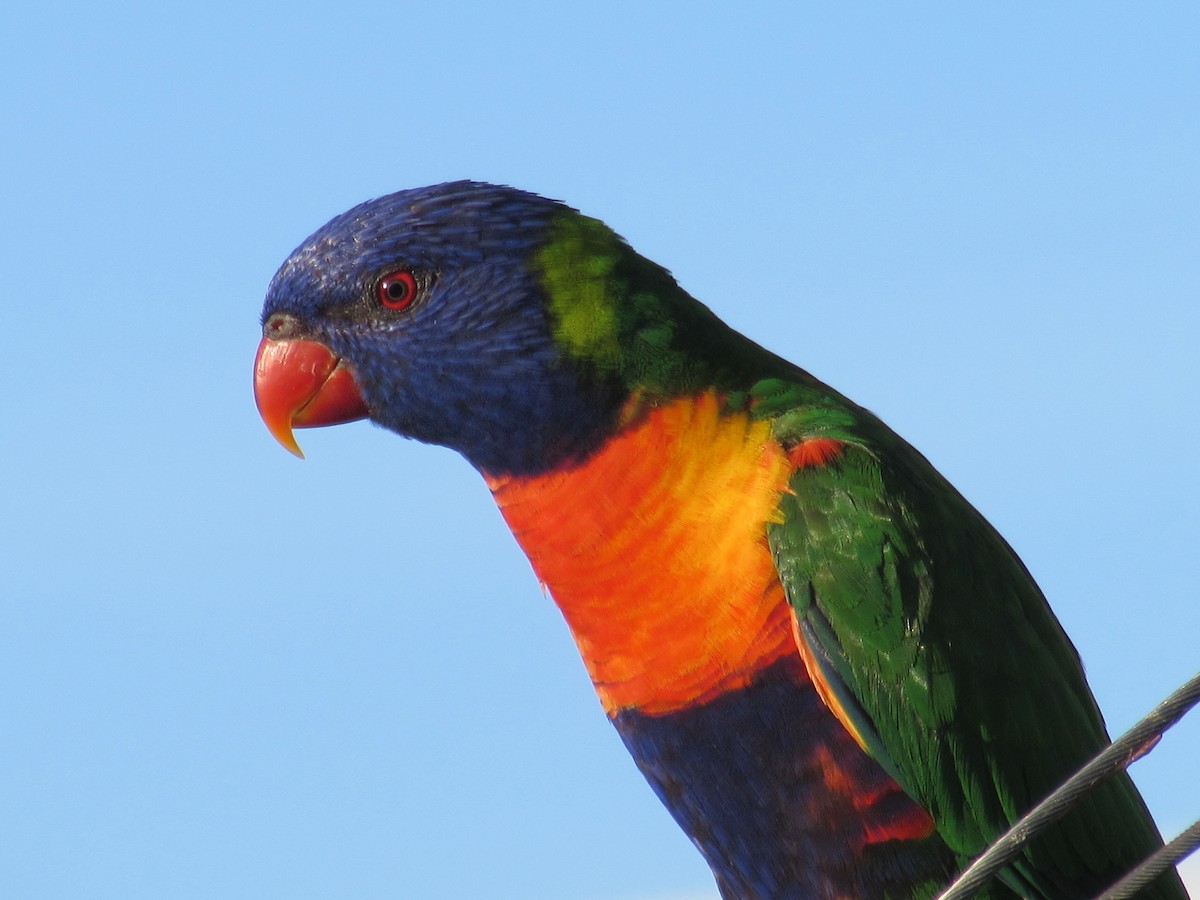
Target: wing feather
[[944, 655]]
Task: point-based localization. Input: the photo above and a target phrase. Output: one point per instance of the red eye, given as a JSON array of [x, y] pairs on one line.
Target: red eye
[[397, 290]]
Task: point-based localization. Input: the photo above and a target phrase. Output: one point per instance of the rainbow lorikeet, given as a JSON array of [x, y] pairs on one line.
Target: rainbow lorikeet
[[837, 676]]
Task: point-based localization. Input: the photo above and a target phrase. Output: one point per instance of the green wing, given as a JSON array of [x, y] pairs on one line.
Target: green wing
[[935, 638]]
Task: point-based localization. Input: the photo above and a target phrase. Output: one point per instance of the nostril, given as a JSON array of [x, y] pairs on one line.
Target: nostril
[[281, 326]]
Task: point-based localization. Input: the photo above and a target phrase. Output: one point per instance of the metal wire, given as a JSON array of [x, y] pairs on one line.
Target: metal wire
[[1154, 865], [1137, 741]]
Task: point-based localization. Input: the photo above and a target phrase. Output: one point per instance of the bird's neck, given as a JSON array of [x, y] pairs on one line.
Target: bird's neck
[[654, 549]]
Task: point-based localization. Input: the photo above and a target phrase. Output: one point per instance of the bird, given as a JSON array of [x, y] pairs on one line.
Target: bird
[[833, 671]]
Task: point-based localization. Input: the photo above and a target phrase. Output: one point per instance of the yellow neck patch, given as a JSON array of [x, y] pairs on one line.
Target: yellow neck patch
[[655, 550]]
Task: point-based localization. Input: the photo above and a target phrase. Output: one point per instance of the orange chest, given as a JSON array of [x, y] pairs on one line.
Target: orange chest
[[655, 550]]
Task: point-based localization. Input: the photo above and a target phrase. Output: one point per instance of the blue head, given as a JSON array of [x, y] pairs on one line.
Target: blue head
[[471, 360]]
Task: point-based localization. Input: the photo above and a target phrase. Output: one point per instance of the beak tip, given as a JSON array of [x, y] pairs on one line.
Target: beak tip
[[281, 430]]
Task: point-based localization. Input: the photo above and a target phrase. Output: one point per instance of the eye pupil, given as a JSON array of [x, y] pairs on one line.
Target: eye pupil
[[397, 289]]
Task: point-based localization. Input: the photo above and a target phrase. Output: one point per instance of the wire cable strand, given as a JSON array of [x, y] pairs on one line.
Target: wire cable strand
[[1155, 864], [1134, 743]]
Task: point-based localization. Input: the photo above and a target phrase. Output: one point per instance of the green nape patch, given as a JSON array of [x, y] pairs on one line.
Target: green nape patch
[[626, 317], [576, 267]]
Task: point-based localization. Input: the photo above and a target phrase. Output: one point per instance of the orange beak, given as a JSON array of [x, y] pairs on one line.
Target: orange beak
[[301, 384]]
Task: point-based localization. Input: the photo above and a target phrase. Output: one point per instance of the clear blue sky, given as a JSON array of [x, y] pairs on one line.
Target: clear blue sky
[[228, 673]]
